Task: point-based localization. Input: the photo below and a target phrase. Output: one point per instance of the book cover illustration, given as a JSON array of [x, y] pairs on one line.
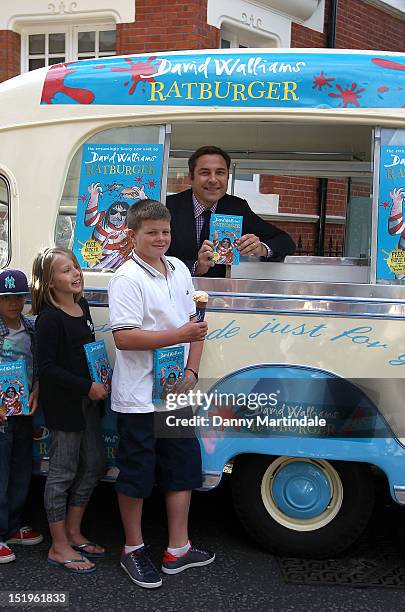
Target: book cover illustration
[[98, 362], [225, 231], [391, 214], [168, 370], [14, 390], [112, 177]]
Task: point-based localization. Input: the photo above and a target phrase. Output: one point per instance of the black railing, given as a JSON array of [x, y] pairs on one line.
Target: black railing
[[334, 248]]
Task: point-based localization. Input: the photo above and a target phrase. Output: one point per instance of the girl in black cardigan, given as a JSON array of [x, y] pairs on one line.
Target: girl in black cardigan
[[70, 401]]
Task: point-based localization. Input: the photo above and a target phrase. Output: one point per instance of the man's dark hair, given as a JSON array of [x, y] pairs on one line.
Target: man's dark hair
[[207, 150], [146, 210]]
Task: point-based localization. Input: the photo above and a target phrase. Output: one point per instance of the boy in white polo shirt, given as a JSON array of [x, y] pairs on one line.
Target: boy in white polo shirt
[[151, 306]]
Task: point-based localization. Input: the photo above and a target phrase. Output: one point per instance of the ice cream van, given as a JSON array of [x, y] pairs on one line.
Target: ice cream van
[[314, 344]]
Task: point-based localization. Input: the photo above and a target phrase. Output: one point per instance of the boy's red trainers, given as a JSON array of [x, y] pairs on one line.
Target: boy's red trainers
[[26, 536], [6, 554]]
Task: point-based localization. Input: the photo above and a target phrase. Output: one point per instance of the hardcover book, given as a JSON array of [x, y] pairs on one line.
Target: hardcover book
[[98, 362], [168, 370], [14, 390], [225, 230]]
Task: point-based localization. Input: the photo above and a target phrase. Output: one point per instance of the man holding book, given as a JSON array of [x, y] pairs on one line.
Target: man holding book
[[208, 174]]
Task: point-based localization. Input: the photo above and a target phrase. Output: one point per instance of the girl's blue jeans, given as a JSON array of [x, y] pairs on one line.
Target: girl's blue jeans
[[15, 472]]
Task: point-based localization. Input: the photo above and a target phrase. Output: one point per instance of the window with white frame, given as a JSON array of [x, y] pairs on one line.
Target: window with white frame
[[4, 223], [242, 38], [65, 43], [229, 40]]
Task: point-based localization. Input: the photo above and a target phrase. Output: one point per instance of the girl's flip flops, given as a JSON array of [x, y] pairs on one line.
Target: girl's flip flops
[[81, 548], [65, 565]]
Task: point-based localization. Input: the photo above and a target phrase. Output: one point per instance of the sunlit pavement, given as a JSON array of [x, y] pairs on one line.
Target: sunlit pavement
[[243, 578]]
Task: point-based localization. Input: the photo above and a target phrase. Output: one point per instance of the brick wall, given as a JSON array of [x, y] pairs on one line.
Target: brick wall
[[303, 234], [362, 26], [9, 54], [297, 194], [300, 194], [336, 197], [359, 26], [177, 184], [360, 189], [302, 37], [305, 237], [167, 25]]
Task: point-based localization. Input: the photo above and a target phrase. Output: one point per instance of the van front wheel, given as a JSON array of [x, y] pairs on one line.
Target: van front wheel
[[302, 507]]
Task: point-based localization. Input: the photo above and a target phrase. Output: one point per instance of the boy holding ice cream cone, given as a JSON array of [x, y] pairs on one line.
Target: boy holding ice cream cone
[[151, 307]]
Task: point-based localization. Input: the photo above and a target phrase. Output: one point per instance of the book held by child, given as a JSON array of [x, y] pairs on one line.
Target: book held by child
[[14, 390], [168, 370], [225, 231], [98, 362]]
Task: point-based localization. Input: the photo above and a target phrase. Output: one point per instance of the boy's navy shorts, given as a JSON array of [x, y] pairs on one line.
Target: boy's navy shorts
[[173, 464]]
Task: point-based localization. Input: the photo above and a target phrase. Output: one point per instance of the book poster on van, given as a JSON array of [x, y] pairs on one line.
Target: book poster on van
[[391, 214], [112, 178]]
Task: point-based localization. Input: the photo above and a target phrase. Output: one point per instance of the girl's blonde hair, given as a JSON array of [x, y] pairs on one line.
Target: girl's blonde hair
[[42, 273]]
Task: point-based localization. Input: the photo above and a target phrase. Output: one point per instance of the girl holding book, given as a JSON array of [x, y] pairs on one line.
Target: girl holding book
[[71, 403]]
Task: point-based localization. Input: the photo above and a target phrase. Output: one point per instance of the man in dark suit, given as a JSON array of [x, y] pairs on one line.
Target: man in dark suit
[[191, 211]]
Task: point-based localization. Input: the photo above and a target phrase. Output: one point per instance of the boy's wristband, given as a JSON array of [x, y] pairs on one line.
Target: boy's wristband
[[193, 371]]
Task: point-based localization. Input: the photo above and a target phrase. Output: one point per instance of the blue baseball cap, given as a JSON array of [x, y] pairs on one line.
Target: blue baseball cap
[[13, 282]]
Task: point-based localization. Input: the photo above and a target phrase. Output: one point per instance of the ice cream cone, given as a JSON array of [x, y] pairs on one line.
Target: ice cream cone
[[200, 309], [201, 300]]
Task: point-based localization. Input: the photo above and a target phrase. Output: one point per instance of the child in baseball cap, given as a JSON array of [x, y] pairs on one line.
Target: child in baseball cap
[[16, 343], [13, 282]]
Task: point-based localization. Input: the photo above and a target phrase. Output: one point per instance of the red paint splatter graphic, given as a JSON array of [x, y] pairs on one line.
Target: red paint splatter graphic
[[54, 83], [151, 184], [139, 179], [358, 421], [348, 96], [321, 81], [384, 63], [83, 198], [383, 89], [384, 204], [140, 71]]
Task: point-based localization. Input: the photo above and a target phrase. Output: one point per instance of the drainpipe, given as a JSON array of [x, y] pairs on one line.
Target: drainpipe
[[323, 182], [323, 194], [331, 38]]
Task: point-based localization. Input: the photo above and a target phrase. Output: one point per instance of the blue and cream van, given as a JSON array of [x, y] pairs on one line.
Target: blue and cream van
[[320, 338]]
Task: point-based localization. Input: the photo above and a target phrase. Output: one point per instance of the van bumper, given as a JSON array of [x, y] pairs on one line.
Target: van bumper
[[210, 480], [399, 494]]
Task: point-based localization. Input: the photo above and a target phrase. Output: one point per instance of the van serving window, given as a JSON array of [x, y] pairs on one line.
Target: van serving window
[[110, 171]]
